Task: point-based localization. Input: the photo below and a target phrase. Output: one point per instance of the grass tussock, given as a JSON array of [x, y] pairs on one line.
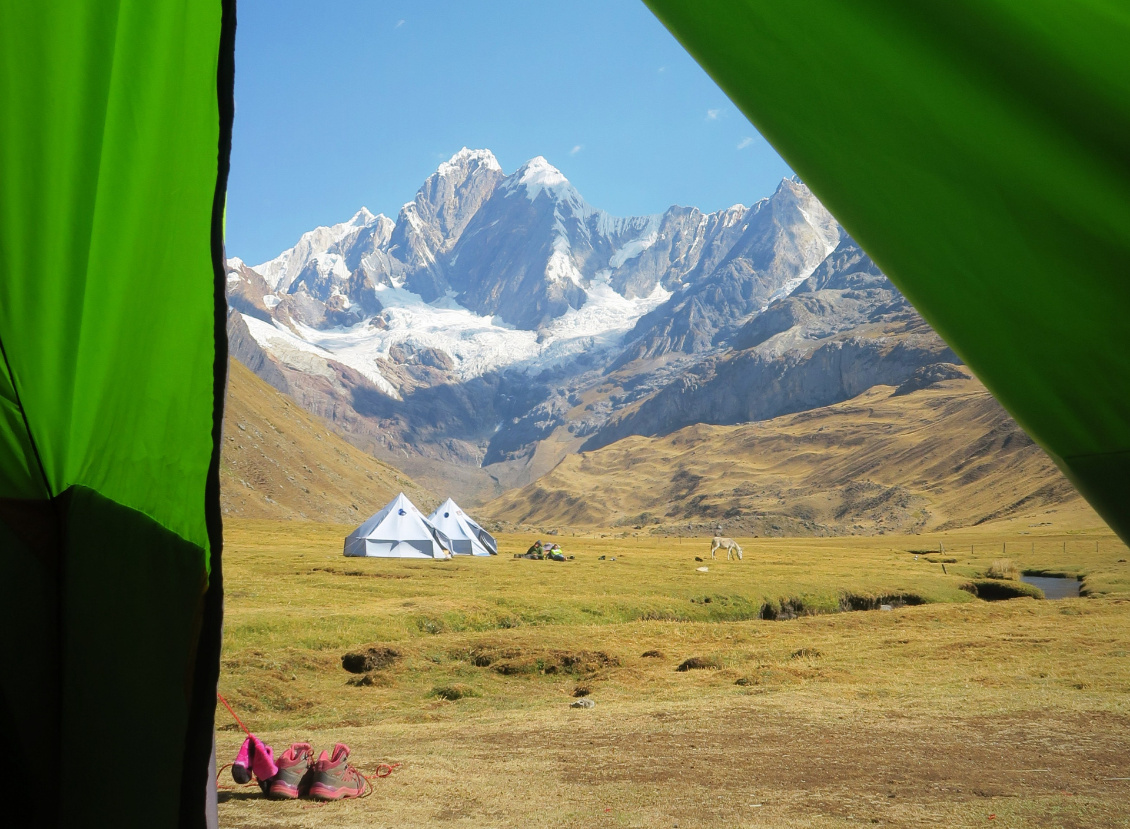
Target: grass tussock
[[454, 692], [1003, 568]]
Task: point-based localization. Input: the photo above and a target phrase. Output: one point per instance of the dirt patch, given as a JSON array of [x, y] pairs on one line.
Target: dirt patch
[[699, 663], [514, 661], [483, 656], [334, 571], [370, 659], [925, 758]]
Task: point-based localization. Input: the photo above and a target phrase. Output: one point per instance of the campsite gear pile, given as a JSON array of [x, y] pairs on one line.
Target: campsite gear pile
[[540, 551], [295, 773], [400, 530]]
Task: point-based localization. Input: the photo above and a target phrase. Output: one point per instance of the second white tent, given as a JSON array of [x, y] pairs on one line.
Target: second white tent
[[467, 537]]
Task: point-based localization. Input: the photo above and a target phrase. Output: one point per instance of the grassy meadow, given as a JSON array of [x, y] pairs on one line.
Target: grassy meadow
[[944, 711]]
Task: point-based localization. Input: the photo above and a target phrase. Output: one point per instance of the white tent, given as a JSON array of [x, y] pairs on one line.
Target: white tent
[[398, 531], [467, 537]]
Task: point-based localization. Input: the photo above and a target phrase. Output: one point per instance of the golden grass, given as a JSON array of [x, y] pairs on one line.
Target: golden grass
[[936, 714], [281, 462], [946, 456]]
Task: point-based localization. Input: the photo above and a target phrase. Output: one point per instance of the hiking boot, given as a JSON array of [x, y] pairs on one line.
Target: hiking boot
[[294, 765], [333, 778]]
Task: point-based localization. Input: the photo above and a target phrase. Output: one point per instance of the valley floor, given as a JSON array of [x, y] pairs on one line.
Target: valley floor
[[955, 712]]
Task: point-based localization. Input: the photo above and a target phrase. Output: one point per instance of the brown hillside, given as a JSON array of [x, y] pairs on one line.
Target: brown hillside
[[946, 456], [281, 462]]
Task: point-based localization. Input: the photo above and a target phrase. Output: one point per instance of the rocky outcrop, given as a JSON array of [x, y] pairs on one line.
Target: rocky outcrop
[[750, 385], [246, 290]]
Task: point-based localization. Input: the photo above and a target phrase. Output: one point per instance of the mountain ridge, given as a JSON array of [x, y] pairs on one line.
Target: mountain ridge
[[502, 323], [929, 459]]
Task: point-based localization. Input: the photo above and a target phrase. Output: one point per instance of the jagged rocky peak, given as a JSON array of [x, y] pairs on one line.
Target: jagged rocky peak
[[453, 193], [732, 266], [369, 237], [469, 159], [537, 250], [793, 194], [790, 233], [430, 225], [672, 247], [281, 271]]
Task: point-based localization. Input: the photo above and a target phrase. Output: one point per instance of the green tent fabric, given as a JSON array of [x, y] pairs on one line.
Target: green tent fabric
[[979, 151], [976, 148], [115, 133]]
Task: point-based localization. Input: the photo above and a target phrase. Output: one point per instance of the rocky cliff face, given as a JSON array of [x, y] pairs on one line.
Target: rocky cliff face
[[430, 226], [761, 256]]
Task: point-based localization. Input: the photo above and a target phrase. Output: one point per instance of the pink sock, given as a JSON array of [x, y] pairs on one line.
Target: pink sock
[[241, 768], [263, 760]]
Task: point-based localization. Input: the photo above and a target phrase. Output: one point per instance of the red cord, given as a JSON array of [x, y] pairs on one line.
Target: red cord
[[220, 697], [383, 770], [254, 781]]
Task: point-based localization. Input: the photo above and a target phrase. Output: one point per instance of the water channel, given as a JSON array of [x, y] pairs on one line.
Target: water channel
[[1055, 587]]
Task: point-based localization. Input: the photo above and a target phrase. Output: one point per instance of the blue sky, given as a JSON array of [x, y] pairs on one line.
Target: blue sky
[[344, 103]]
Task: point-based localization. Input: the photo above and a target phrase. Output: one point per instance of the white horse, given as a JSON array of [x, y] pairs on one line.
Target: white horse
[[727, 544]]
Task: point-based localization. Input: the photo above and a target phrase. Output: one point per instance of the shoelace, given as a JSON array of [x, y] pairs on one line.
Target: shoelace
[[383, 770], [254, 781]]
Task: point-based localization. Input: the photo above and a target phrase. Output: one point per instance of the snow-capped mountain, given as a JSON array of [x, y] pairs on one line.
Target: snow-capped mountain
[[520, 271], [498, 309]]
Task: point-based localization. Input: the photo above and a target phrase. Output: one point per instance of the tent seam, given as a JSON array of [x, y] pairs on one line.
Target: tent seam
[[27, 423]]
